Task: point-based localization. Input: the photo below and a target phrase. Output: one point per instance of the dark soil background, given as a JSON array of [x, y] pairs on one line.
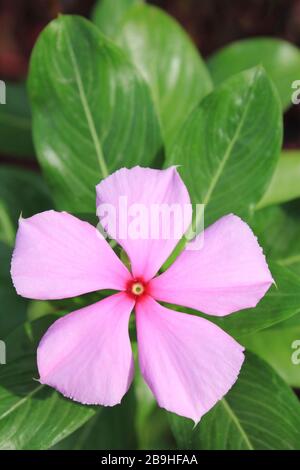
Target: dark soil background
[[211, 24]]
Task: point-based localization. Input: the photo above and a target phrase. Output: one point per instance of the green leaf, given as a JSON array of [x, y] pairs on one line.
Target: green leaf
[[15, 122], [278, 231], [280, 59], [21, 191], [33, 416], [280, 303], [13, 308], [92, 113], [229, 145], [260, 412], [169, 61], [285, 184], [111, 428], [275, 345], [108, 15]]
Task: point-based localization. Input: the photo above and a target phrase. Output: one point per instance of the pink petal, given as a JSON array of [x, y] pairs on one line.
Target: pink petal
[[58, 256], [150, 189], [87, 356], [227, 274], [188, 362]]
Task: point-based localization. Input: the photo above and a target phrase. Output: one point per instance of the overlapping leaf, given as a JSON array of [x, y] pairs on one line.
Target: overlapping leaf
[[108, 15], [229, 145], [169, 61], [280, 59], [92, 112]]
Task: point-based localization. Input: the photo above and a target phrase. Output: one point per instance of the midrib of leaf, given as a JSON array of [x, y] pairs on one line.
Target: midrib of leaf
[[87, 111], [237, 423], [227, 154], [21, 402]]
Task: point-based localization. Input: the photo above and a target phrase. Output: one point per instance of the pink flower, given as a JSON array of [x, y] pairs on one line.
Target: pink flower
[[188, 362]]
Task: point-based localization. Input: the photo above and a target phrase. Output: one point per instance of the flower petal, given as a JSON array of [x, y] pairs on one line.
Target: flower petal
[[58, 256], [227, 274], [87, 356], [135, 195], [188, 362]]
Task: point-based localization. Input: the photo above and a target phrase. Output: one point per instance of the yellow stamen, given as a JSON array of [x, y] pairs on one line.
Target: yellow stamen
[[137, 288]]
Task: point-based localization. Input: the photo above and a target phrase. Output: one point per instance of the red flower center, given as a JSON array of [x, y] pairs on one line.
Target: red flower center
[[136, 288]]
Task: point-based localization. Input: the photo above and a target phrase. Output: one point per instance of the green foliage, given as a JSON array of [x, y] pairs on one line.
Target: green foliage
[[92, 112], [284, 185], [277, 346], [108, 15], [259, 412], [168, 61], [110, 428], [229, 145], [132, 89], [280, 59], [33, 416]]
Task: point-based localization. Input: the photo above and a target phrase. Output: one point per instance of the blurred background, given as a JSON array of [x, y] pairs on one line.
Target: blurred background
[[211, 23]]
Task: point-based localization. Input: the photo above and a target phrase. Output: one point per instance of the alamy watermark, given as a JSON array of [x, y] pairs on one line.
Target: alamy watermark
[[295, 358], [2, 352], [296, 94], [2, 92], [155, 221]]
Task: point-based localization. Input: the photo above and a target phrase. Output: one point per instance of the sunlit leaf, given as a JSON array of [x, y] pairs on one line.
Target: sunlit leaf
[[92, 112]]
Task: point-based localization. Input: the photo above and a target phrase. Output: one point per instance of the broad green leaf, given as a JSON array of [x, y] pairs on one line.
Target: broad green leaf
[[15, 122], [285, 183], [280, 303], [13, 308], [279, 347], [260, 412], [229, 145], [92, 112], [111, 428], [280, 59], [169, 61], [21, 191], [108, 14], [33, 416]]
